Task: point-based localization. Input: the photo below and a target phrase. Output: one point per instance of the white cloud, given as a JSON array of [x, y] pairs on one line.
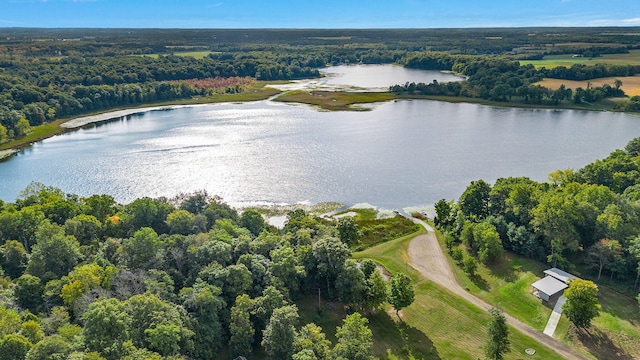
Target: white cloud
[[633, 21], [215, 5]]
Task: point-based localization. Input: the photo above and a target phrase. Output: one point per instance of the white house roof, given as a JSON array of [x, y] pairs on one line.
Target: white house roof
[[559, 274], [549, 285]]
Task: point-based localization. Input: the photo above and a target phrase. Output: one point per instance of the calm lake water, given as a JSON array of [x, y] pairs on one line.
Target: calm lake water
[[380, 77], [399, 154]]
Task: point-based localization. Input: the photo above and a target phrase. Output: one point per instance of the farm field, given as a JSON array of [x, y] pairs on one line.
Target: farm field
[[630, 84], [551, 61]]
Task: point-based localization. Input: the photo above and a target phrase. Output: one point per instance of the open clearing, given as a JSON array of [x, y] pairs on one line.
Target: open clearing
[[551, 61], [630, 84], [439, 324]]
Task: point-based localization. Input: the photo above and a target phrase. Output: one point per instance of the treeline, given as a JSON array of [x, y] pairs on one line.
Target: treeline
[[182, 278], [586, 221], [500, 79]]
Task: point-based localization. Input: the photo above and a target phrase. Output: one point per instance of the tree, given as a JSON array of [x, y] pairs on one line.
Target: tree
[[106, 327], [14, 346], [13, 258], [633, 147], [32, 331], [204, 303], [22, 128], [351, 285], [444, 211], [141, 250], [582, 304], [311, 341], [401, 292], [85, 228], [348, 231], [498, 335], [285, 268], [354, 339], [240, 327], [474, 201], [253, 221], [181, 222], [9, 321], [470, 265], [50, 348], [603, 254], [28, 292], [376, 291], [280, 333], [3, 134], [54, 254], [330, 255]]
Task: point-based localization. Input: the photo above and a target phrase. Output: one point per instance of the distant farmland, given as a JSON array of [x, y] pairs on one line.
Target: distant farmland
[[630, 84], [551, 61]]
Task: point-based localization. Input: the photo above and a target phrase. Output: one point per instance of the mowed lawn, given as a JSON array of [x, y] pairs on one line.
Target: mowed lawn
[[630, 84], [615, 333], [438, 325], [551, 61]]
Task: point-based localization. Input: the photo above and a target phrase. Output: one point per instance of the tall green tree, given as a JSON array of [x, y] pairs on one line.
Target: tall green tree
[[141, 250], [604, 254], [14, 347], [376, 291], [330, 255], [348, 230], [474, 201], [54, 254], [498, 335], [13, 258], [241, 328], [310, 340], [280, 333], [401, 293], [106, 327], [582, 303], [252, 220], [355, 339]]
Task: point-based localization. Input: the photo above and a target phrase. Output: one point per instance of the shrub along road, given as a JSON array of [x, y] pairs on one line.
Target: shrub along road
[[426, 256]]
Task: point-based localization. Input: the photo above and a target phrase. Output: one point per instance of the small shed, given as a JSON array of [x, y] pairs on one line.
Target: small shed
[[559, 274], [548, 287]]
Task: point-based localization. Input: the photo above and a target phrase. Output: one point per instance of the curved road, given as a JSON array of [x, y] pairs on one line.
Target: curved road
[[426, 256]]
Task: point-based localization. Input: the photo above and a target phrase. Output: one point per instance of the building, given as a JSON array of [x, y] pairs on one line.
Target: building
[[552, 284]]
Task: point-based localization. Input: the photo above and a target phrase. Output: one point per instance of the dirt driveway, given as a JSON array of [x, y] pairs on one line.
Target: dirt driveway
[[426, 256]]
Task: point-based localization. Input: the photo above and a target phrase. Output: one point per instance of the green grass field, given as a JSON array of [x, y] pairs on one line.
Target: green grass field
[[551, 61], [335, 100], [615, 334], [438, 325]]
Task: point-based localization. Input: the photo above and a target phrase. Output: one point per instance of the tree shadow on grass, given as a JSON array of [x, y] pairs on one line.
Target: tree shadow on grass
[[505, 269], [398, 339], [479, 281], [599, 344]]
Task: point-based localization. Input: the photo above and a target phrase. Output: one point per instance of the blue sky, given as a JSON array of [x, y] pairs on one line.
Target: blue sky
[[317, 13]]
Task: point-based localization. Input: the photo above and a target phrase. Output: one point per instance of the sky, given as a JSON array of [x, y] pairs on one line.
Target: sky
[[317, 13]]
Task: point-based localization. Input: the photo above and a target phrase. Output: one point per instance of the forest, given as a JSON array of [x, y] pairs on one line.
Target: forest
[[52, 74], [585, 221], [188, 277]]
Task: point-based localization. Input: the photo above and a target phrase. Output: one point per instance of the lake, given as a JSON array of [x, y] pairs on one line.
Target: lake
[[400, 154]]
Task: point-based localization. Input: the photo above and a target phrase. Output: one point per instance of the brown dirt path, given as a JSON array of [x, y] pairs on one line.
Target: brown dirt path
[[426, 256]]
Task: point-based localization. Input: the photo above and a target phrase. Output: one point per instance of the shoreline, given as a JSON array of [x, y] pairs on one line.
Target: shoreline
[[91, 119]]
